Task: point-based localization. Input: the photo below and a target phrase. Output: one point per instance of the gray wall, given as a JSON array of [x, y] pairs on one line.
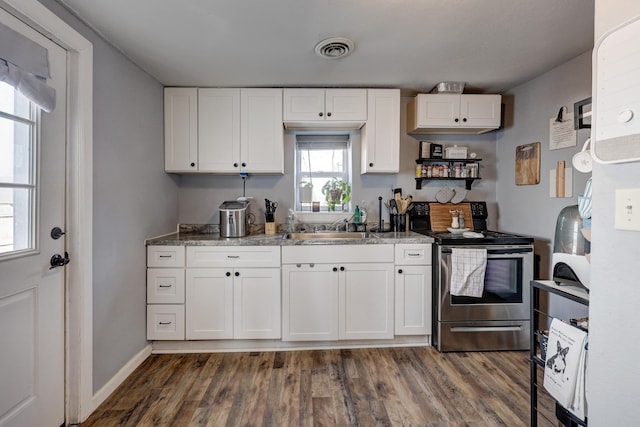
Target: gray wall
[[200, 195], [529, 209], [133, 199], [613, 370]]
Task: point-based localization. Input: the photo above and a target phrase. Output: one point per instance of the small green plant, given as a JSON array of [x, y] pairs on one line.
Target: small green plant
[[336, 191]]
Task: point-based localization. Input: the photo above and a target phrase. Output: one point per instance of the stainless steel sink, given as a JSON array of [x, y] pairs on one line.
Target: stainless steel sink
[[330, 235]]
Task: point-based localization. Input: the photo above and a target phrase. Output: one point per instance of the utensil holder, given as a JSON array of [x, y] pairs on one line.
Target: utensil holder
[[270, 228]]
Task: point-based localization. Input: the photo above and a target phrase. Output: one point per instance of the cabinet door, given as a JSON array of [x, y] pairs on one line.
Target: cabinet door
[[219, 130], [366, 301], [256, 301], [438, 110], [346, 104], [309, 303], [380, 141], [480, 111], [303, 104], [209, 303], [261, 131], [413, 300], [180, 129]]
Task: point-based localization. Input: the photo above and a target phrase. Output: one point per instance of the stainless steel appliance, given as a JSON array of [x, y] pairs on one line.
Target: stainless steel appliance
[[233, 218], [570, 249], [499, 319]]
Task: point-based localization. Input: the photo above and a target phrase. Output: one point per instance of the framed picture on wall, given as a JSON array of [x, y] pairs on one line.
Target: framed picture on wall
[[582, 114]]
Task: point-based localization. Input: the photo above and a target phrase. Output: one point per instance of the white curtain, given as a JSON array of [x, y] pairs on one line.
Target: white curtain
[[24, 65]]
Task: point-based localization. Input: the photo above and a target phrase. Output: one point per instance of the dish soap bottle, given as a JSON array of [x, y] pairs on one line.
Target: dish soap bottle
[[356, 216]]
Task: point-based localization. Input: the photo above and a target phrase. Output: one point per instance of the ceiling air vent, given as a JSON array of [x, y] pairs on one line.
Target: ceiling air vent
[[334, 48]]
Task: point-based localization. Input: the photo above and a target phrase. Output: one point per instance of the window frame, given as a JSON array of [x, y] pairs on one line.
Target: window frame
[[32, 185], [300, 175]]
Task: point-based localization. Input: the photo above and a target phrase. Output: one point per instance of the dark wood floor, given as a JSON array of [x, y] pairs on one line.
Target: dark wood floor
[[363, 387]]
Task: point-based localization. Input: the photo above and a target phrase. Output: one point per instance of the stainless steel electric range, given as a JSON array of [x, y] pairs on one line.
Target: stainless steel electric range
[[499, 319]]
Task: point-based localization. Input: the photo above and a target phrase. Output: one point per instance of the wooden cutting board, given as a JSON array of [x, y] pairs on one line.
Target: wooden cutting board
[[441, 216], [528, 164]]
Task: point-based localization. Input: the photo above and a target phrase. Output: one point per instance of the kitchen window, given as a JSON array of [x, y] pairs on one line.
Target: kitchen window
[[18, 190], [322, 160]]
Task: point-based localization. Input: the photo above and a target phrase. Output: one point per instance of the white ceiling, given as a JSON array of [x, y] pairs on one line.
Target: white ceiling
[[491, 45]]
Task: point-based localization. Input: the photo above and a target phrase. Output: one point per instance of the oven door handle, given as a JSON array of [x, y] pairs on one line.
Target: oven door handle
[[485, 328], [495, 251]]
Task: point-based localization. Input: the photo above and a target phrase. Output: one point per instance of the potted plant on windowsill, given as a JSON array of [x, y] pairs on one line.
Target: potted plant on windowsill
[[336, 191], [305, 191]]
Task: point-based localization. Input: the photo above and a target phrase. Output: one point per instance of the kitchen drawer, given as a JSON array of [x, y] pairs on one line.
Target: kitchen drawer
[[165, 256], [233, 256], [165, 322], [336, 254], [165, 286], [413, 254]]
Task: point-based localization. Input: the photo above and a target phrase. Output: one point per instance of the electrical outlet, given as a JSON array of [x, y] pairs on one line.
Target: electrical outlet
[[627, 210]]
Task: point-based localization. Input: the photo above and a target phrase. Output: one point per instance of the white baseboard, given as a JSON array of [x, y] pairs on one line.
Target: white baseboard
[[106, 390]]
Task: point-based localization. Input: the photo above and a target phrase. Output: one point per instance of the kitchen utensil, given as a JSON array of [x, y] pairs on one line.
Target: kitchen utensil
[[444, 195], [583, 161], [233, 218], [528, 164], [457, 230], [393, 207], [440, 216], [460, 194]]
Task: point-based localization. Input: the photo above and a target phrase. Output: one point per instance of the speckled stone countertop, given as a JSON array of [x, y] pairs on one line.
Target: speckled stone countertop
[[208, 235]]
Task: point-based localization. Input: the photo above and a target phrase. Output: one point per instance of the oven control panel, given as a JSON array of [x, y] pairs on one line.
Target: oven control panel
[[479, 210]]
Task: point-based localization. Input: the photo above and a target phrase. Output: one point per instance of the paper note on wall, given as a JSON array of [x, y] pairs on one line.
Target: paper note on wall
[[562, 134]]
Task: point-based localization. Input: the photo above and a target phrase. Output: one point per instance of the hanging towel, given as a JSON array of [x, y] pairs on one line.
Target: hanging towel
[[467, 272], [564, 371]]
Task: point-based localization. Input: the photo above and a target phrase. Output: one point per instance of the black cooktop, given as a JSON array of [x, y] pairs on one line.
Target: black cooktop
[[489, 238]]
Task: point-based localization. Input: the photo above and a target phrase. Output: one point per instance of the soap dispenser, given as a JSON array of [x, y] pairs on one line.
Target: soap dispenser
[[356, 216]]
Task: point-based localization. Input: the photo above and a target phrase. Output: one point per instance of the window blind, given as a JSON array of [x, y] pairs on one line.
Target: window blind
[[24, 64]]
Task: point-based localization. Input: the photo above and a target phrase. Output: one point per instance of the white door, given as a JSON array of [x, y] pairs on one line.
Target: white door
[[32, 202], [261, 131], [219, 130], [209, 303]]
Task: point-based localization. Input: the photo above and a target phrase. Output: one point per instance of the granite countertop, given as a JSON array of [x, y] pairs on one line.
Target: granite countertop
[[212, 238]]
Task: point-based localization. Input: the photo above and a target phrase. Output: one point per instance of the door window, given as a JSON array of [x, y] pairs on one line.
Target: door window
[[18, 189]]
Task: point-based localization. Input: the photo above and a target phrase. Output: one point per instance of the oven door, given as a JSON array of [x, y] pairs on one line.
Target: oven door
[[506, 286]]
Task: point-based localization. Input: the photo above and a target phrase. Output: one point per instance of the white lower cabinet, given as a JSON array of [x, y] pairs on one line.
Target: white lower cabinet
[[233, 302], [165, 292], [309, 302], [325, 299], [366, 301], [413, 290]]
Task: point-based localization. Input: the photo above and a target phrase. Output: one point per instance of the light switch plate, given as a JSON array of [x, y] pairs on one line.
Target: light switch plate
[[627, 210]]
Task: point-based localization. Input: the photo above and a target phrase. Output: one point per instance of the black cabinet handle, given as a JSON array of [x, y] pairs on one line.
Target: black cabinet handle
[[400, 271], [335, 268], [244, 164], [341, 268], [456, 120], [192, 164], [237, 274], [328, 114], [320, 114], [464, 120], [235, 165], [370, 165], [228, 273]]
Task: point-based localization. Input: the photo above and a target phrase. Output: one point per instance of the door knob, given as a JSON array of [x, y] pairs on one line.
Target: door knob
[[56, 233], [58, 261]]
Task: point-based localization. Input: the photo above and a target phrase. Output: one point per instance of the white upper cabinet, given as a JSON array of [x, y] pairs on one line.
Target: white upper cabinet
[[345, 108], [261, 134], [180, 129], [380, 141], [453, 114], [218, 130], [224, 130]]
